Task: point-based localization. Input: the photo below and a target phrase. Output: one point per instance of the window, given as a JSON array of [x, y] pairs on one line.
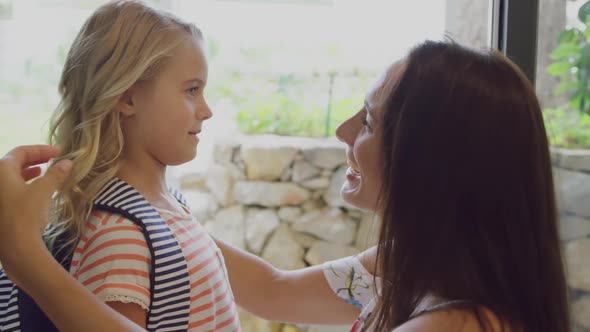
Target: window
[[561, 64], [317, 58]]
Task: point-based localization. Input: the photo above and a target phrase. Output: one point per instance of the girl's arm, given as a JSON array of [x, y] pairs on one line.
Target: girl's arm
[[23, 215], [299, 296]]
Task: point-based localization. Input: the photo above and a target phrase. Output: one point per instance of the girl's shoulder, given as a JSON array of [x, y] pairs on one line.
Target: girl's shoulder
[[102, 227], [112, 259], [100, 220]]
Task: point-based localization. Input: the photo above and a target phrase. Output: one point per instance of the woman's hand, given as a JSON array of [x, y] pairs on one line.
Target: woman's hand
[[25, 199]]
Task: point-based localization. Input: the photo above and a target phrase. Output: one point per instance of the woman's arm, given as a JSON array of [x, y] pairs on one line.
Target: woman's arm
[[24, 212], [300, 296], [69, 305]]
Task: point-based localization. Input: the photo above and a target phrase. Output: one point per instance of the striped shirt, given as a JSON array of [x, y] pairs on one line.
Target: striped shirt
[[113, 261]]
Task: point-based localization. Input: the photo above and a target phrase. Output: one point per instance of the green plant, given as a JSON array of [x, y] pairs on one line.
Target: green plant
[[297, 106], [567, 129], [569, 126], [572, 62]]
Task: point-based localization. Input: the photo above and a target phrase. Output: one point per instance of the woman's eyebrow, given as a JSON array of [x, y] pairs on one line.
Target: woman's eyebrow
[[368, 108]]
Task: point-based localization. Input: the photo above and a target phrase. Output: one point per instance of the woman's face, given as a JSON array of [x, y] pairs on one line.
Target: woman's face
[[362, 135]]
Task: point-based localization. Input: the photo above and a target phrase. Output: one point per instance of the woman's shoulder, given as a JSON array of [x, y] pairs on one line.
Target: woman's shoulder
[[453, 320]]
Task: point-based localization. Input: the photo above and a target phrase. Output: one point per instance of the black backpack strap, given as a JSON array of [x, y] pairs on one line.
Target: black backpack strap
[[168, 265], [32, 317], [19, 312]]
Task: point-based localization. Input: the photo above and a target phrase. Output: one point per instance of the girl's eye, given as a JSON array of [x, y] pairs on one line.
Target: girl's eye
[[192, 90]]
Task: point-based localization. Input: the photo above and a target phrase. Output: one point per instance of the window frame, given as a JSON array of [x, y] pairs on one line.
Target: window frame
[[514, 31]]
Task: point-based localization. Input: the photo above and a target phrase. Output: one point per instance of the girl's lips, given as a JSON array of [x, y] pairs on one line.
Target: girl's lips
[[194, 135]]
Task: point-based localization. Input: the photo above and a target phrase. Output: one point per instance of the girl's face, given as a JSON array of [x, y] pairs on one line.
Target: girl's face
[[362, 134], [163, 116]]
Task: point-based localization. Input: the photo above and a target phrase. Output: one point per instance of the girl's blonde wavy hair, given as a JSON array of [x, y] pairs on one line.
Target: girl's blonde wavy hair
[[121, 44]]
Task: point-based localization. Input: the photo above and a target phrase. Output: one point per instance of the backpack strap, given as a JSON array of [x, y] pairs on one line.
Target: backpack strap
[[9, 308], [18, 311], [169, 278]]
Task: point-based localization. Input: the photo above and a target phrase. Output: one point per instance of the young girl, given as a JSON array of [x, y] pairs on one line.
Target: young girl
[[132, 104]]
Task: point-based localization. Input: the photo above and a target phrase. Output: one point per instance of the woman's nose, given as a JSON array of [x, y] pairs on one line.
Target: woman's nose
[[346, 131]]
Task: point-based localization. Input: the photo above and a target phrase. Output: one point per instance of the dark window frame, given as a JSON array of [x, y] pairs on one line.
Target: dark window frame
[[514, 32]]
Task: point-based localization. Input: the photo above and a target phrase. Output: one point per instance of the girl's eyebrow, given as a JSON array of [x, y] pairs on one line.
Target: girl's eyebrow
[[196, 80]]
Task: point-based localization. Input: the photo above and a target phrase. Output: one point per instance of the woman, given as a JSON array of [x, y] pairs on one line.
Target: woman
[[451, 151]]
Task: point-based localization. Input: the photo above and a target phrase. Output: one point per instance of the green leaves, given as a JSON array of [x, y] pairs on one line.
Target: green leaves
[[570, 126], [565, 86], [559, 68], [297, 105], [567, 129], [570, 35], [572, 62], [584, 13], [565, 50]]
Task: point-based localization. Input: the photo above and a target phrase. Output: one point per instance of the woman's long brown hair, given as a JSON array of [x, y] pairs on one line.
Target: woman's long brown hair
[[468, 201]]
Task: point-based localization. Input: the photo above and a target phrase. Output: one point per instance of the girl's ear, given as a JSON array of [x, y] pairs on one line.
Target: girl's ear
[[126, 103]]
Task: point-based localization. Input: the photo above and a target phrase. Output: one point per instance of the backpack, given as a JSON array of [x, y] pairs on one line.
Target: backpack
[[169, 278]]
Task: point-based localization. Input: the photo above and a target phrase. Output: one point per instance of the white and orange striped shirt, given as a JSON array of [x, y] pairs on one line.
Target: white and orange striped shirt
[[113, 261]]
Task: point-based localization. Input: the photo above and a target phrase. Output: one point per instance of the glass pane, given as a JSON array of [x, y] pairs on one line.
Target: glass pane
[[301, 67], [562, 66], [311, 46], [469, 21]]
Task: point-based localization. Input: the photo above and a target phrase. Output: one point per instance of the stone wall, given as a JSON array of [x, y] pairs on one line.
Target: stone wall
[[278, 197], [572, 184]]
